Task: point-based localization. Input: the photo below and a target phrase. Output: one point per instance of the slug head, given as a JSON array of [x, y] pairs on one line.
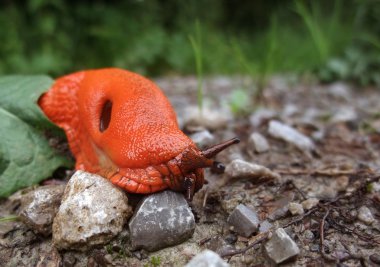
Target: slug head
[[191, 163]]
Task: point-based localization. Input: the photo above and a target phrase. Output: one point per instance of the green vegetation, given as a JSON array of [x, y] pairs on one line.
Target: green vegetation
[[196, 43], [155, 261], [25, 155], [10, 218], [333, 39]]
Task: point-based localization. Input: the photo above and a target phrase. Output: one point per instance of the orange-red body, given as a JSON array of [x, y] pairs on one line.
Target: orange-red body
[[141, 148]]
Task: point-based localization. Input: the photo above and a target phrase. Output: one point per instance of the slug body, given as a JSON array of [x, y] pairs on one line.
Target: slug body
[[121, 126]]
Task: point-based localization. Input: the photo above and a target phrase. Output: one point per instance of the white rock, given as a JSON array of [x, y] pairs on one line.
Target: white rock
[[296, 208], [211, 119], [258, 143], [345, 114], [310, 203], [207, 258], [242, 169], [340, 90], [290, 135], [375, 187], [202, 138], [281, 247], [92, 212], [261, 115], [365, 215]]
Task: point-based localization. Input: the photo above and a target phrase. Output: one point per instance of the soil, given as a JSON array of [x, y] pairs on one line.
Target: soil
[[343, 173]]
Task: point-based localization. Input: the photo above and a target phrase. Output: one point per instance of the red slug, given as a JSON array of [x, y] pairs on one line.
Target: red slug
[[121, 126]]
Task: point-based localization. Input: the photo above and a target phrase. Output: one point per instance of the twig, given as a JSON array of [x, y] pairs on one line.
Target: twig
[[205, 198], [316, 172], [322, 229], [300, 218], [203, 241], [258, 239], [354, 231], [322, 237]]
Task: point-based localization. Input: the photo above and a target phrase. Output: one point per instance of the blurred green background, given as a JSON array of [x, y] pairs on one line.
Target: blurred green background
[[332, 39]]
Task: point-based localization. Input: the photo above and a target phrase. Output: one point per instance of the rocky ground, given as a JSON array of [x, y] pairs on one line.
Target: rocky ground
[[301, 189]]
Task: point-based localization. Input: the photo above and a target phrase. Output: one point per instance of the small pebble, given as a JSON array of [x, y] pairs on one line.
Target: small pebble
[[314, 248], [310, 203], [345, 114], [244, 220], [290, 135], [296, 208], [242, 169], [258, 143], [265, 226], [281, 247], [211, 119], [40, 206], [365, 215], [261, 115], [161, 220], [203, 138], [207, 258], [308, 234]]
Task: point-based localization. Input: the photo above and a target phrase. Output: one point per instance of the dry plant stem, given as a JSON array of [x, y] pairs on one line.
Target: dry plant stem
[[322, 236], [204, 241], [205, 198], [370, 239], [258, 239], [300, 218], [316, 172]]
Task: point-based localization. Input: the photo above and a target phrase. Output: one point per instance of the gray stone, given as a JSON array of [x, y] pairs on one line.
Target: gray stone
[[365, 215], [308, 234], [265, 226], [290, 135], [296, 208], [281, 247], [207, 258], [93, 211], [242, 169], [202, 138], [258, 143], [244, 220], [40, 206], [310, 203], [161, 220]]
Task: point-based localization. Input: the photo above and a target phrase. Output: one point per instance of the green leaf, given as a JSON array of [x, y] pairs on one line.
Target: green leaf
[[25, 155], [19, 95]]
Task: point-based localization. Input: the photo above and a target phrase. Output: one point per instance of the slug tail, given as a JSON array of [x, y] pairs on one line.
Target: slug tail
[[59, 104]]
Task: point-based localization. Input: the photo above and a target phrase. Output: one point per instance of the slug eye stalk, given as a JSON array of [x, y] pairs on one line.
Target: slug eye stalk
[[214, 150]]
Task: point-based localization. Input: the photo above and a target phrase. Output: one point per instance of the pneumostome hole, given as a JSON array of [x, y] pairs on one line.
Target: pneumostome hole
[[105, 117]]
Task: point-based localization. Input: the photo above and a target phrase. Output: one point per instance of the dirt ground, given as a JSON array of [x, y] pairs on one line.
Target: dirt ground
[[342, 172]]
